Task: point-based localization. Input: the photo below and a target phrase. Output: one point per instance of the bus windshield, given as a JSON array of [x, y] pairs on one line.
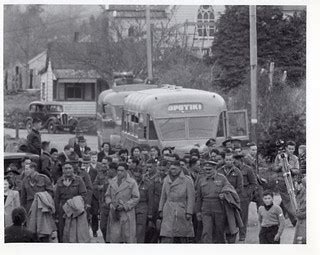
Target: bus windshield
[[175, 128], [201, 127]]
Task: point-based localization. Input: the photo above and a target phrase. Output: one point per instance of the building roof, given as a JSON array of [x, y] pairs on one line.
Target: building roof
[[76, 74], [139, 11], [73, 60], [121, 7]]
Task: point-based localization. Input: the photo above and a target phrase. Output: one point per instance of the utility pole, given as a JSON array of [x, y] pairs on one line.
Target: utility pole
[[149, 40], [253, 71]]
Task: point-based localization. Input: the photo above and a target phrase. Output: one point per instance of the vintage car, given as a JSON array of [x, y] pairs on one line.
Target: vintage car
[[16, 157], [52, 116]]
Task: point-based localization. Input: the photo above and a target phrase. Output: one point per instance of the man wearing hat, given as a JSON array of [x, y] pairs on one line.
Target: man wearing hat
[[33, 183], [34, 137], [210, 145], [74, 140], [230, 143], [208, 207], [249, 186], [45, 159], [81, 148]]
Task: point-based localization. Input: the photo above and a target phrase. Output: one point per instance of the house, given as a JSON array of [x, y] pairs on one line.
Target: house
[[69, 77]]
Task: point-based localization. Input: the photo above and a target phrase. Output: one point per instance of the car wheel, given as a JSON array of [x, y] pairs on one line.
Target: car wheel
[[29, 125], [52, 129]]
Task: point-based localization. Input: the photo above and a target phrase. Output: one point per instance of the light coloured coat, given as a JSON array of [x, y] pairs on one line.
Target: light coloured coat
[[41, 215], [123, 229], [12, 202], [177, 200]]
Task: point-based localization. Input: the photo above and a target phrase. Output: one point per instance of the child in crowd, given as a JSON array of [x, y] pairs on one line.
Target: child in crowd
[[271, 220]]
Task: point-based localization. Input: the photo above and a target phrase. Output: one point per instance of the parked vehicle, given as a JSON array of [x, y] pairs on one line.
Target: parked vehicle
[[109, 111], [52, 116], [16, 157], [178, 117]]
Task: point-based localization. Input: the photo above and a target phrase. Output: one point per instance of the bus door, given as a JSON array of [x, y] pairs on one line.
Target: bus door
[[237, 124]]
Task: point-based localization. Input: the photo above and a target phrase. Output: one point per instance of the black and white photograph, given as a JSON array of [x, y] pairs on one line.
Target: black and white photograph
[[155, 124]]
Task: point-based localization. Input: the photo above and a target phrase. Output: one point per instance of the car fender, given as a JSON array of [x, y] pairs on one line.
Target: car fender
[[52, 118], [73, 121]]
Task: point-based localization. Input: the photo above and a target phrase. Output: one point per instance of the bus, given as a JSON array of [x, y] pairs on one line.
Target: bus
[[173, 116], [109, 111]]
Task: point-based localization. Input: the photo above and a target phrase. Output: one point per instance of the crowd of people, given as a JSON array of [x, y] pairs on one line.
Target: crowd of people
[[148, 195]]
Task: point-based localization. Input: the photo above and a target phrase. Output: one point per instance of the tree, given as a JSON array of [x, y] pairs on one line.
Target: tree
[[280, 40]]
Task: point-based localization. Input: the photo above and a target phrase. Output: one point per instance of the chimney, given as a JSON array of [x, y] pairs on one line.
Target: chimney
[[76, 37]]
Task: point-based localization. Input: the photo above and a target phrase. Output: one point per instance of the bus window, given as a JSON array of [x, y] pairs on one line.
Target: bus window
[[152, 131], [237, 123], [107, 110], [201, 127], [222, 125], [172, 129]]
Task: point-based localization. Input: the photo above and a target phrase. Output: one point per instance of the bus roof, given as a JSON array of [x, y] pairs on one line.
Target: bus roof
[[116, 95], [175, 101]]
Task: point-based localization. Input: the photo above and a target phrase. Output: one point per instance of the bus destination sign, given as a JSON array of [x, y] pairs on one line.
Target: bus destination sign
[[182, 108]]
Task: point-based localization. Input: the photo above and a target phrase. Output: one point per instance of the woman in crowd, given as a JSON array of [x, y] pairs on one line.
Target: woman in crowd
[[11, 201]]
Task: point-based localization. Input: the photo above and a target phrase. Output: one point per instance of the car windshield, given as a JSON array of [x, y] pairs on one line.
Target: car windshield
[[55, 108], [175, 128]]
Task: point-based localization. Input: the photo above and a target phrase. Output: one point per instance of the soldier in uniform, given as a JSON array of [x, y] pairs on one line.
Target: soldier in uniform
[[151, 169], [34, 138], [144, 207], [249, 186], [255, 161], [293, 166], [45, 160], [56, 171], [68, 186], [101, 185], [82, 172], [156, 188], [235, 178], [32, 184], [209, 208]]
